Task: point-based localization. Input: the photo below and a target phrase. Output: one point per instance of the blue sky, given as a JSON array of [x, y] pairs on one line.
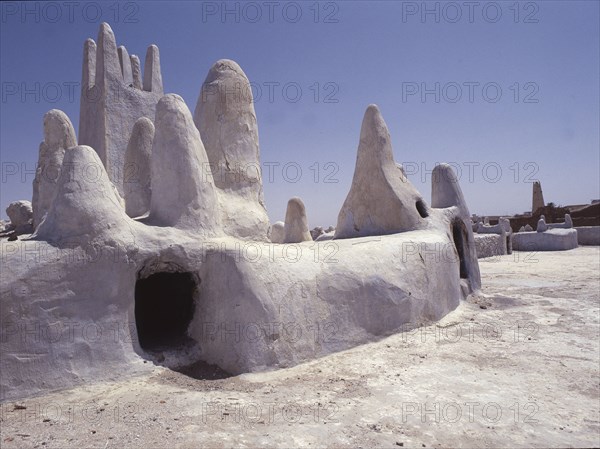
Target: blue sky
[[507, 92]]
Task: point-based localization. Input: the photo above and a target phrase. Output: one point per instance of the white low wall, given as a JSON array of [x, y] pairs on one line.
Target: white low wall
[[588, 235], [550, 240], [488, 245]]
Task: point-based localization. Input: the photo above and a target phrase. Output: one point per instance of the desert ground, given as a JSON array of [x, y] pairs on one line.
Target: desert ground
[[517, 366]]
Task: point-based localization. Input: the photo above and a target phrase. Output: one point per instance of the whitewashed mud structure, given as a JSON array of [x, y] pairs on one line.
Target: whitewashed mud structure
[[547, 236], [179, 267], [114, 96], [493, 240]]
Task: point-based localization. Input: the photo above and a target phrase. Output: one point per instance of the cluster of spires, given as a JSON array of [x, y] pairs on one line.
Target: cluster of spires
[[171, 149], [106, 59]]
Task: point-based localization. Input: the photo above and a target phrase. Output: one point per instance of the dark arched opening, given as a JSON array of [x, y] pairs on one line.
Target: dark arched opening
[[422, 209], [459, 235], [164, 307]]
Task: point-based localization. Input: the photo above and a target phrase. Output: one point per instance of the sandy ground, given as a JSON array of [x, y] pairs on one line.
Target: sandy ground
[[517, 367]]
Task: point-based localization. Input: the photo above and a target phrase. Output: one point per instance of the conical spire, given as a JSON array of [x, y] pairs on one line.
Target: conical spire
[[183, 191], [86, 203], [381, 199], [152, 74]]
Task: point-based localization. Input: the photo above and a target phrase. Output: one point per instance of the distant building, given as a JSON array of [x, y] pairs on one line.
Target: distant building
[[538, 197]]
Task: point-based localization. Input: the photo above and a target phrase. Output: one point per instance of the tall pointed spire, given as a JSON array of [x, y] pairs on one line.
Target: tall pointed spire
[[183, 192], [226, 119], [136, 71], [88, 77], [125, 63], [107, 58], [152, 74], [381, 199]]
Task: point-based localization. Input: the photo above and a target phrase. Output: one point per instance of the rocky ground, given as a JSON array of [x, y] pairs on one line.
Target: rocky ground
[[516, 367]]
